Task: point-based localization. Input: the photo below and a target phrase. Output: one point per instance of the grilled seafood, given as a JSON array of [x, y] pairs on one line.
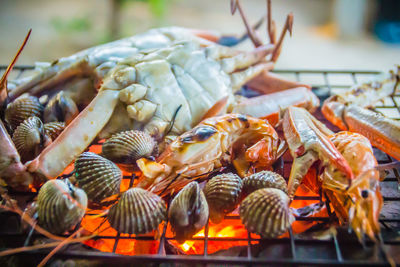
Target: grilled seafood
[[60, 206], [266, 212], [263, 179], [346, 168], [188, 211], [137, 212], [250, 144], [223, 194], [129, 146], [348, 112], [193, 71]]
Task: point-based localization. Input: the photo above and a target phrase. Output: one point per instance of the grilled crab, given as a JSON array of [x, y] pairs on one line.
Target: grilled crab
[[175, 83]]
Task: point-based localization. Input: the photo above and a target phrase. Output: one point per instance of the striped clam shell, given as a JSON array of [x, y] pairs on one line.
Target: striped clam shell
[[266, 212], [29, 138], [223, 194], [138, 211], [60, 206], [129, 146], [188, 211], [263, 179], [53, 129], [99, 177], [21, 109]]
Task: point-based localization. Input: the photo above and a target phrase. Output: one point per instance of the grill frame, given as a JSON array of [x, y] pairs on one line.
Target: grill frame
[[327, 87]]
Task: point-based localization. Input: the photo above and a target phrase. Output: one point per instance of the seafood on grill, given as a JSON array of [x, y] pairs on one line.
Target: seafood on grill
[[266, 212], [349, 112], [129, 146], [223, 194], [30, 138], [248, 143], [263, 179], [138, 211], [188, 211], [60, 206], [53, 129], [21, 109], [345, 165], [193, 74], [97, 176]]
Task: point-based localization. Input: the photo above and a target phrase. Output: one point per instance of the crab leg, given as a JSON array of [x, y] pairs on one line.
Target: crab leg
[[3, 82], [267, 82], [77, 136], [288, 27], [271, 106], [12, 171], [270, 24], [308, 142]]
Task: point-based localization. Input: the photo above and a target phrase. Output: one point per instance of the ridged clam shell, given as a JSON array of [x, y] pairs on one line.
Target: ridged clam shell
[[53, 129], [223, 194], [188, 211], [60, 206], [138, 211], [99, 177], [266, 212], [129, 146], [60, 108], [21, 109], [263, 179], [29, 138]]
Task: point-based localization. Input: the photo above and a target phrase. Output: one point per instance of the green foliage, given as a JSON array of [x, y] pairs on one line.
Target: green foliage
[[76, 24], [157, 7]]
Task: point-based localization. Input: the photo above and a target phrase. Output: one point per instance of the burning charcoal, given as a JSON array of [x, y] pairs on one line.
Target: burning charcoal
[[188, 211]]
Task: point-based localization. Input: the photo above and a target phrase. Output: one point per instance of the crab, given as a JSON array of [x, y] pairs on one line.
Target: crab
[[164, 81]]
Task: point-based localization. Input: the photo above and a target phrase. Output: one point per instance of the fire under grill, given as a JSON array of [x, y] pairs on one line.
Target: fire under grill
[[230, 243]]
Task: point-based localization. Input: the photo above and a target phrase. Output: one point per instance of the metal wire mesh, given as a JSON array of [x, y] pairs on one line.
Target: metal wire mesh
[[290, 250]]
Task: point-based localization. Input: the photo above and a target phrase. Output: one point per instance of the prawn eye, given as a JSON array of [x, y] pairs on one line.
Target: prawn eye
[[364, 193]]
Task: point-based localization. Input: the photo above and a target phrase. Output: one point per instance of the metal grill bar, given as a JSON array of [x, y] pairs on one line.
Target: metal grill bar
[[295, 244]]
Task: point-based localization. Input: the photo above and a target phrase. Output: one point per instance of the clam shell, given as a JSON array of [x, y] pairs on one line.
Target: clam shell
[[29, 138], [60, 108], [264, 179], [60, 206], [188, 211], [266, 212], [99, 177], [138, 211], [53, 129], [223, 194], [21, 109], [129, 146]]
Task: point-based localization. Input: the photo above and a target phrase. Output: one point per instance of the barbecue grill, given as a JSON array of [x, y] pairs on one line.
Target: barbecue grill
[[340, 249]]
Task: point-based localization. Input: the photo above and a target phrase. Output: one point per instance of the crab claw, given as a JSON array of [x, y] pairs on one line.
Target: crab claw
[[308, 143]]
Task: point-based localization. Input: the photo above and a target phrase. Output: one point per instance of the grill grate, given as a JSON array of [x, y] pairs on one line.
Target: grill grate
[[292, 249]]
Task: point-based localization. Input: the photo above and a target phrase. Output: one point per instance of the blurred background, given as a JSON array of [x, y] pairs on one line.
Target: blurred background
[[328, 34]]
